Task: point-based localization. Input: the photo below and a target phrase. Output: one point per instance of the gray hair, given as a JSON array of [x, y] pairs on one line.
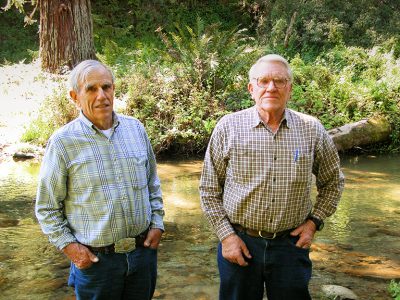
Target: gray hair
[[80, 72], [271, 58]]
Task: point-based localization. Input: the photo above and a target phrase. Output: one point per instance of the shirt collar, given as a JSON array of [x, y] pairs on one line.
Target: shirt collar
[[92, 127], [255, 119]]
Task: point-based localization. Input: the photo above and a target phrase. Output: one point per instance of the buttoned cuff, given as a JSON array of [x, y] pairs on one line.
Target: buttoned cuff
[[319, 214], [64, 240], [224, 230], [157, 222]]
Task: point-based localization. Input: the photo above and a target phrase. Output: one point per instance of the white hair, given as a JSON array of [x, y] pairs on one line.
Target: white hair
[[271, 58], [80, 72]]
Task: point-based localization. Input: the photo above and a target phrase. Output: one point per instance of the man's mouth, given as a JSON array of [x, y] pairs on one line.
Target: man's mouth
[[102, 106]]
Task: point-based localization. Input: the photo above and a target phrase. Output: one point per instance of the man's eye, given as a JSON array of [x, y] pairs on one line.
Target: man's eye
[[106, 87], [264, 81]]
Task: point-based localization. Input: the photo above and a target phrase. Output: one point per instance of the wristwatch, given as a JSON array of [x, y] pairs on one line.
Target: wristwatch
[[318, 222]]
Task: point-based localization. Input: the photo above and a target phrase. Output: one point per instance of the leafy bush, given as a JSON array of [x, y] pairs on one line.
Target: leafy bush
[[394, 289], [347, 84], [198, 80], [55, 111]]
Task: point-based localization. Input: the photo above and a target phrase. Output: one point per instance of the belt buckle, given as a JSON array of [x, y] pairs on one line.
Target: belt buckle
[[125, 245], [264, 237]]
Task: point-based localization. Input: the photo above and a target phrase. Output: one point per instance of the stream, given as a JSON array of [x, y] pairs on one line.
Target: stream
[[359, 248]]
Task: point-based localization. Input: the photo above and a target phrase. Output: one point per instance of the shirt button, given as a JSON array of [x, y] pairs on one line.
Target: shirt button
[[274, 179], [270, 220], [275, 157], [273, 200]]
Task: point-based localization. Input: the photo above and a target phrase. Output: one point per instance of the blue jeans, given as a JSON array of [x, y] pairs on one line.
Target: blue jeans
[[117, 276], [283, 268]]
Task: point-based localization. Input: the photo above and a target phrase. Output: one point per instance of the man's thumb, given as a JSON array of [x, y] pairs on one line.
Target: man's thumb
[[93, 258], [147, 242]]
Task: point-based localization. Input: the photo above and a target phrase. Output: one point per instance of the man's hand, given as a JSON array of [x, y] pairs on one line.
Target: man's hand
[[306, 232], [233, 249], [80, 255], [153, 238]]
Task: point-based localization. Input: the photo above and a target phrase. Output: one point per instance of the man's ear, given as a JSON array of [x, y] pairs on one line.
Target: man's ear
[[74, 97], [250, 88]]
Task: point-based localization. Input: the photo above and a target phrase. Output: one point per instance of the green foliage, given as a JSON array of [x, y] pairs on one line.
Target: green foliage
[[181, 65], [394, 289], [55, 111], [198, 79], [323, 24], [17, 43]]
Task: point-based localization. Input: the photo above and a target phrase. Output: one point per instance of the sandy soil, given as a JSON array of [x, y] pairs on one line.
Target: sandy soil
[[22, 89]]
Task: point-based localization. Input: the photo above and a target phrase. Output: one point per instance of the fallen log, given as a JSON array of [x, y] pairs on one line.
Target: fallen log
[[365, 132]]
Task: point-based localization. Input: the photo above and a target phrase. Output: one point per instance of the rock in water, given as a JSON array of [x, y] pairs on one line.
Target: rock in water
[[338, 292]]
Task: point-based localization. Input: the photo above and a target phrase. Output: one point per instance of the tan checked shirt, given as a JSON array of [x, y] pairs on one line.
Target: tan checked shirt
[[262, 180]]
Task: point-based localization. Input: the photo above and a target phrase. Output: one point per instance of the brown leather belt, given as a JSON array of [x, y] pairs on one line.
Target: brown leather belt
[[261, 233], [139, 242]]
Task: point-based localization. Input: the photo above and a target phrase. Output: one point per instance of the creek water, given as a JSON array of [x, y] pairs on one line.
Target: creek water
[[359, 247]]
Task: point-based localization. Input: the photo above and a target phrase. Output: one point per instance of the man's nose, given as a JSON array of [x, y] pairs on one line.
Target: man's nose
[[100, 93], [271, 86]]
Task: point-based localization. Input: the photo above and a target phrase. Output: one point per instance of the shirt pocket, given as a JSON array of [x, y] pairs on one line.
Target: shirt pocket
[[302, 167], [137, 169], [248, 165], [84, 175]]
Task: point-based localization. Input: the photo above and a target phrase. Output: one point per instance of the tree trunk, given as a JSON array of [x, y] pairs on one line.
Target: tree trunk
[[362, 133], [66, 34]]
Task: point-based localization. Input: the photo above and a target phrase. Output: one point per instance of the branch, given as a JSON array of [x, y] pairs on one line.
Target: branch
[[289, 30]]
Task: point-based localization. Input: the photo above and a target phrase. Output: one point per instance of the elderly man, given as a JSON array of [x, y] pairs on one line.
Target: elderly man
[[255, 189], [99, 198]]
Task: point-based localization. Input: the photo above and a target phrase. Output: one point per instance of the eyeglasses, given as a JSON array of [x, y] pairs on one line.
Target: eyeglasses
[[279, 82]]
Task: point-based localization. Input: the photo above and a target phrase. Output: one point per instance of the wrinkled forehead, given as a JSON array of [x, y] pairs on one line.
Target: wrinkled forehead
[[271, 69], [95, 75]]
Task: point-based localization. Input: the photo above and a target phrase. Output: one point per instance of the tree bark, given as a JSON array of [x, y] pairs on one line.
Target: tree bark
[[66, 34], [362, 133]]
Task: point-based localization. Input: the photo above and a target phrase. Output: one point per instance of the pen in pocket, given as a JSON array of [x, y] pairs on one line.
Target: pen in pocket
[[296, 155]]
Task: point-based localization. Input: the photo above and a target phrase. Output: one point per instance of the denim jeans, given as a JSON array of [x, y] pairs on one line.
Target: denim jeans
[[117, 276], [280, 266]]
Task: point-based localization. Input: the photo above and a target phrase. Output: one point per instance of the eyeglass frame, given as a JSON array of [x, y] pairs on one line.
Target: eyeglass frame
[[273, 80]]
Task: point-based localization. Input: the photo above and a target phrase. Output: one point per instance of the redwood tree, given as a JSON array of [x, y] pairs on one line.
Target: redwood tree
[[66, 33]]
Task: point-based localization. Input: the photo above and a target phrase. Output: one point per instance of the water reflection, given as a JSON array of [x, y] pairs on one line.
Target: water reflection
[[367, 222]]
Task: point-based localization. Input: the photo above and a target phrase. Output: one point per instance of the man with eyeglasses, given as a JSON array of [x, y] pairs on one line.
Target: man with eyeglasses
[[255, 189]]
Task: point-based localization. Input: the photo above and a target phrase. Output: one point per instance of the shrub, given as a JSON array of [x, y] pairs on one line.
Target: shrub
[[200, 77], [347, 84], [55, 111], [394, 289]]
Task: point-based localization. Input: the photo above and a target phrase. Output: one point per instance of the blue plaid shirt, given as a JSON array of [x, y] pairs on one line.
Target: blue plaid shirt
[[96, 190]]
